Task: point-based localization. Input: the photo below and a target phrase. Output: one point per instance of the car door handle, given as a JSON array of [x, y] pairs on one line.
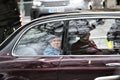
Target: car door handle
[[113, 64]]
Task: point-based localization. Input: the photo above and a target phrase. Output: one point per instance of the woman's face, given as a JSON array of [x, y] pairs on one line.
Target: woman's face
[[55, 43]]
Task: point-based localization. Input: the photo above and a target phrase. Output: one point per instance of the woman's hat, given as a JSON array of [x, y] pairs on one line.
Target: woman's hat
[[51, 37]]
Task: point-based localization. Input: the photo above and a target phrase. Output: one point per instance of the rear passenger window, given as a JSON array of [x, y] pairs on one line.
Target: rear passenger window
[[35, 40]]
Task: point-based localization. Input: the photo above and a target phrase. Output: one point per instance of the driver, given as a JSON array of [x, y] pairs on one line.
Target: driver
[[84, 45]]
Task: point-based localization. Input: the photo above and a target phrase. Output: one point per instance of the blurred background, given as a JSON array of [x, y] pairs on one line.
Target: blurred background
[[25, 6]]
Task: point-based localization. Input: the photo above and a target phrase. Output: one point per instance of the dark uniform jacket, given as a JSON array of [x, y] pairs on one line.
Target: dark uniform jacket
[[84, 47]]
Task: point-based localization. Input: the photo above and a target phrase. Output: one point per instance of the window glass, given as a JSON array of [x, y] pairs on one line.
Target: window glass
[[42, 39], [72, 37], [94, 37]]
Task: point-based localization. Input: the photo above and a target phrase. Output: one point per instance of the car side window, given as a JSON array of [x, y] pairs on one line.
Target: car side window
[[71, 37], [93, 37], [35, 41], [79, 38]]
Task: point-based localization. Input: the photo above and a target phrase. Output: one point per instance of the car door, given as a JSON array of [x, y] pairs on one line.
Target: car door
[[83, 62]]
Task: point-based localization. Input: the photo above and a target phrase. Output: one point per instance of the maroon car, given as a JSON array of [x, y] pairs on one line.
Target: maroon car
[[89, 48]]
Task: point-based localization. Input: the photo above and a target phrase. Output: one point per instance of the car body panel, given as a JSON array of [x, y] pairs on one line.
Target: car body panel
[[29, 68], [78, 67]]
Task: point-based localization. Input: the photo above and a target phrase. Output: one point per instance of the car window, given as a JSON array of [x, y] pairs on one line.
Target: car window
[[35, 40], [97, 36], [94, 37]]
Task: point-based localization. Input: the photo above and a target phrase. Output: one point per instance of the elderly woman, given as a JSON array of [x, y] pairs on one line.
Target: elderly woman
[[54, 46]]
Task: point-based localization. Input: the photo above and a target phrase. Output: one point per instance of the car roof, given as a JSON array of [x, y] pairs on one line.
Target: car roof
[[95, 11]]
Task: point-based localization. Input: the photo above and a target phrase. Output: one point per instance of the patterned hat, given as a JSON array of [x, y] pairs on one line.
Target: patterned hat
[[51, 37]]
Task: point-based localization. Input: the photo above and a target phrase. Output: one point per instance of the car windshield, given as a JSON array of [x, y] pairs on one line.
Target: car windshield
[[97, 36]]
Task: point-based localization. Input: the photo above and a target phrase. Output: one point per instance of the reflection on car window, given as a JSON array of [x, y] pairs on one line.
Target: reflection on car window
[[71, 37], [93, 37], [79, 34], [35, 40]]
